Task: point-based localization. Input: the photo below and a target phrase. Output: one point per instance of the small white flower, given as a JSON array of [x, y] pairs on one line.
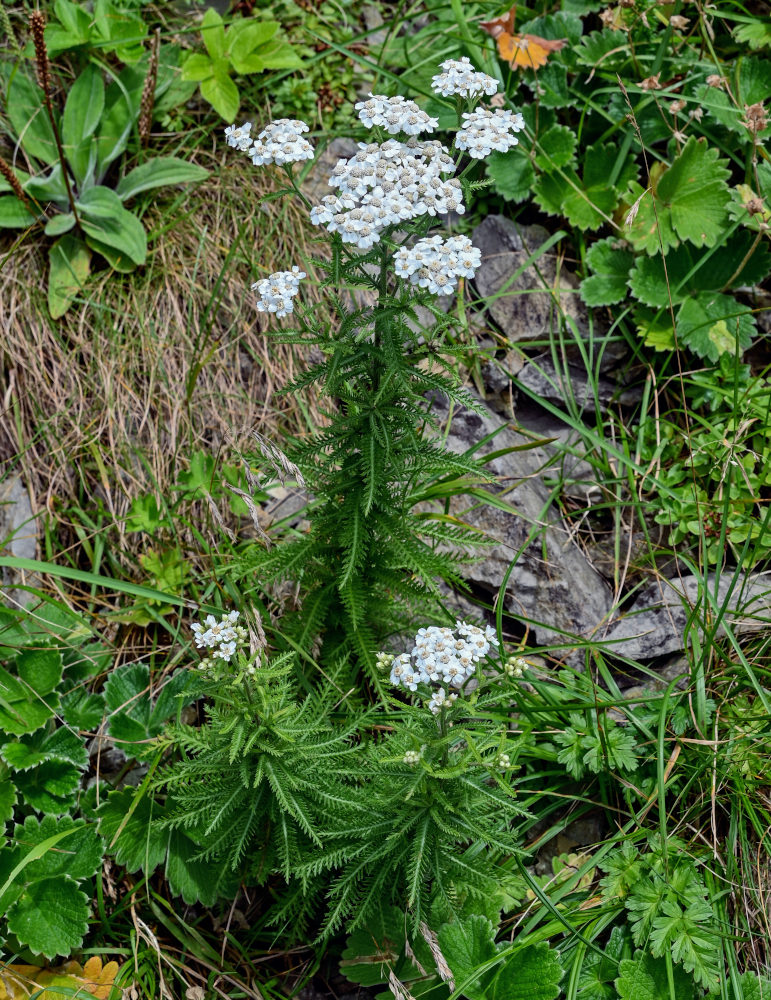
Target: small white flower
[[281, 142], [239, 136], [483, 131], [278, 290], [437, 264], [459, 77], [395, 114]]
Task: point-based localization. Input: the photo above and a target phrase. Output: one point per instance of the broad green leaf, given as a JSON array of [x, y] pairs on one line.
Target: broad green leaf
[[123, 32], [213, 34], [372, 951], [134, 720], [70, 264], [7, 802], [555, 148], [78, 855], [467, 944], [74, 18], [50, 917], [14, 214], [49, 187], [82, 709], [126, 823], [197, 67], [587, 201], [689, 271], [530, 973], [752, 988], [57, 225], [244, 37], [120, 261], [40, 668], [59, 39], [645, 978], [21, 175], [753, 79], [121, 108], [21, 710], [598, 972], [29, 751], [104, 218], [83, 108], [512, 174], [29, 120], [220, 91], [610, 261], [754, 34], [157, 172], [50, 787], [278, 55], [197, 881], [711, 324], [691, 201]]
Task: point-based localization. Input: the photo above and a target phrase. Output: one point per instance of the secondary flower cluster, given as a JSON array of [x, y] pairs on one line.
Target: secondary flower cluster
[[440, 656], [459, 78], [382, 185], [222, 637], [484, 130], [436, 264], [395, 114], [280, 142], [278, 290]]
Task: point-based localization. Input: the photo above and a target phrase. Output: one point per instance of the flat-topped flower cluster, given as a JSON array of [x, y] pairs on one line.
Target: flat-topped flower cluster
[[222, 637], [443, 656], [384, 185]]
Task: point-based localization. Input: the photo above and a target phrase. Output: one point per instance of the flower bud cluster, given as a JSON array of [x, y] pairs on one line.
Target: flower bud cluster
[[441, 656], [503, 761], [278, 290], [222, 637], [383, 185], [515, 666], [459, 78], [279, 142], [437, 264], [395, 114], [484, 130], [412, 757]]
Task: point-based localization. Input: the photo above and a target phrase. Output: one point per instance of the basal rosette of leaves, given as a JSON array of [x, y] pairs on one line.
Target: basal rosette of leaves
[[87, 213]]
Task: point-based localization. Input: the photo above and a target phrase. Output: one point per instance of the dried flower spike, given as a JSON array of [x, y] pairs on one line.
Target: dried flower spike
[[37, 23]]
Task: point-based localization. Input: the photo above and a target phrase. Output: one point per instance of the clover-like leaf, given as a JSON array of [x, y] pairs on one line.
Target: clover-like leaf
[[135, 717], [610, 262], [50, 917]]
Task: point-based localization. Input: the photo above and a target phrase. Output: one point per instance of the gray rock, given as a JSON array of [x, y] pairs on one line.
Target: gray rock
[[552, 585], [18, 538], [525, 305], [656, 623]]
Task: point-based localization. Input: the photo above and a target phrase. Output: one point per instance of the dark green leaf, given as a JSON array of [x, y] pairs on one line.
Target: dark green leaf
[[78, 855], [50, 917], [610, 261], [29, 120], [70, 264], [15, 214], [83, 108], [157, 172], [512, 174], [50, 787], [41, 669]]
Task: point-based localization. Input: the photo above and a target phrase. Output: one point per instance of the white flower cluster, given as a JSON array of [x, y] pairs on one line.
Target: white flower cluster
[[222, 637], [279, 142], [459, 78], [383, 185], [441, 655], [395, 114], [412, 757], [436, 264], [484, 130], [278, 290], [503, 761]]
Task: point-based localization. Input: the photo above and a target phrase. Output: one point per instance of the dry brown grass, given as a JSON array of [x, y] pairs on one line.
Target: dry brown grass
[[109, 401]]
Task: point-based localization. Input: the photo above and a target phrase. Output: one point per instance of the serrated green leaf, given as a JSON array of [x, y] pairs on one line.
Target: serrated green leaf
[[530, 973], [691, 202], [610, 262], [596, 980], [555, 148], [29, 751], [754, 34], [134, 719], [197, 881], [711, 324], [78, 855], [512, 174], [467, 944], [40, 668], [645, 978], [69, 266], [587, 201], [139, 845], [158, 172], [7, 802], [50, 787], [83, 710], [753, 78], [21, 710], [50, 917], [371, 952], [752, 987]]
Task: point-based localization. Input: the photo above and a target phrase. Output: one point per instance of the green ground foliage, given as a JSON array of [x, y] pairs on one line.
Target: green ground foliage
[[277, 806]]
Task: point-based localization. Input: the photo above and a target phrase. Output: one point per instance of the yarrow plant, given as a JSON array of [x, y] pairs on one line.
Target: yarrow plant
[[371, 560]]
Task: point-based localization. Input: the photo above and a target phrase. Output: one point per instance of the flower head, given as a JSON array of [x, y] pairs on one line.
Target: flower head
[[281, 142], [459, 78], [395, 114], [239, 136], [436, 264], [222, 637], [483, 131], [278, 290]]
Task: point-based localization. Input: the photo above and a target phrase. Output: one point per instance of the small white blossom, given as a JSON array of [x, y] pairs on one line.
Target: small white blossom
[[395, 114], [278, 290], [239, 136], [222, 637], [459, 78], [281, 142], [439, 700], [436, 264], [483, 131]]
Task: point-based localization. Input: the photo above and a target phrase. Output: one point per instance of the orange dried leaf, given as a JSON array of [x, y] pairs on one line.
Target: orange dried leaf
[[528, 51]]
